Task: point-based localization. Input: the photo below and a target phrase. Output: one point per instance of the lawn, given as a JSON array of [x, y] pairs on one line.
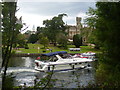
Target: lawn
[[38, 48]]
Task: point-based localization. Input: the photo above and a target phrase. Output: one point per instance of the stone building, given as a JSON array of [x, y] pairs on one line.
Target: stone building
[[73, 30]]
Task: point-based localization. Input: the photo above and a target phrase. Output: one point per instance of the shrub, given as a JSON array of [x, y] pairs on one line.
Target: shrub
[[77, 40]]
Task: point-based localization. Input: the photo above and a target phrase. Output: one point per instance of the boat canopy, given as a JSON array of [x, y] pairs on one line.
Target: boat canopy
[[54, 53]]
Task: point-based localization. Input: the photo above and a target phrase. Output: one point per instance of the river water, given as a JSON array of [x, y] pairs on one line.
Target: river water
[[21, 69]]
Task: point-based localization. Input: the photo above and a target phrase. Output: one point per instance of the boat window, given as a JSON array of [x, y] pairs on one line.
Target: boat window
[[75, 63], [53, 59], [66, 56]]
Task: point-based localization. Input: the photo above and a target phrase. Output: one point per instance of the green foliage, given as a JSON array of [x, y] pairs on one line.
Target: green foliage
[[53, 27], [87, 35], [10, 30], [104, 22], [44, 40], [107, 27], [33, 38], [107, 75], [107, 37], [91, 20], [10, 26], [9, 82], [90, 32], [77, 40], [20, 41], [26, 46], [33, 48], [40, 30], [62, 40]]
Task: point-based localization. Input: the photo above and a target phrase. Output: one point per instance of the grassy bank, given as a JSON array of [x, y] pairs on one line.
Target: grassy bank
[[38, 48]]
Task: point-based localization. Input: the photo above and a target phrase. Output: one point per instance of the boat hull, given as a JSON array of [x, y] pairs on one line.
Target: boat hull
[[61, 67]]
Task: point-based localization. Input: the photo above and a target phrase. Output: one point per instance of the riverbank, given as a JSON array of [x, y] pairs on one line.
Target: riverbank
[[35, 51], [26, 54]]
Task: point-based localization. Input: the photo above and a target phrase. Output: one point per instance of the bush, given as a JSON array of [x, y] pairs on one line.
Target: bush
[[77, 40], [26, 46]]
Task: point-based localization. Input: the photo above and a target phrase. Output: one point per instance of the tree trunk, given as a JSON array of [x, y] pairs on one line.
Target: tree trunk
[[10, 40]]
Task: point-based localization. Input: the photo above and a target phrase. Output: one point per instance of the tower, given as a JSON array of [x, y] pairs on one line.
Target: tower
[[78, 24], [78, 20], [33, 28]]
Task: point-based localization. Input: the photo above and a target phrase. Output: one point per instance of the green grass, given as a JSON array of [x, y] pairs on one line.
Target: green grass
[[33, 48], [89, 48]]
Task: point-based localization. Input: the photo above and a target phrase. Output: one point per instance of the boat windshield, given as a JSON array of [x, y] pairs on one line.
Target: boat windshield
[[53, 59]]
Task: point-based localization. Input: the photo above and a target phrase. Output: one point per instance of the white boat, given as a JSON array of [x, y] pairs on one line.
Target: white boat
[[89, 55], [57, 63]]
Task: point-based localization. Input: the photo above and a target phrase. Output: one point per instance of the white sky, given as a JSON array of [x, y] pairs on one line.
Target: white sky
[[33, 13]]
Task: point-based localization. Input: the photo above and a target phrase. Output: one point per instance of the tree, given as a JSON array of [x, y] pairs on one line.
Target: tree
[[40, 30], [43, 40], [107, 28], [21, 42], [33, 38], [53, 27], [10, 29], [90, 31], [90, 21], [77, 40], [107, 36], [62, 40], [105, 23], [86, 35]]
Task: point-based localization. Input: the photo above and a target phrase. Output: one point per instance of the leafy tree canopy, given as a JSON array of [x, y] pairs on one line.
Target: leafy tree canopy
[[62, 40], [54, 26], [33, 38]]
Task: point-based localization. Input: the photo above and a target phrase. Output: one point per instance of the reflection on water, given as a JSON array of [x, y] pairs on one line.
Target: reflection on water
[[21, 62], [73, 78], [22, 69]]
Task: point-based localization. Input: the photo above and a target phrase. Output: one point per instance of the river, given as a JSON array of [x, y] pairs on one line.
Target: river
[[21, 69]]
